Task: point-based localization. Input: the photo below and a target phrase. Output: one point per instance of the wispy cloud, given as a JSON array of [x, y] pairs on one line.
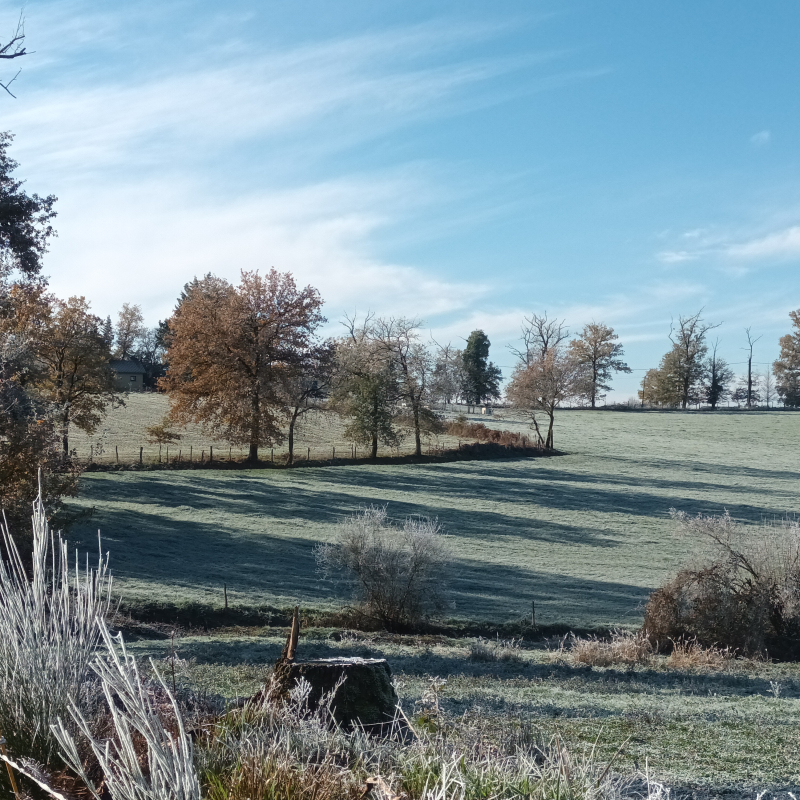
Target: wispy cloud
[[761, 139], [736, 254], [322, 233], [778, 245]]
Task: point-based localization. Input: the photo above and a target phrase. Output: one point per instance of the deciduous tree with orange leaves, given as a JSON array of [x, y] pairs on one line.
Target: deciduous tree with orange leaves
[[232, 349]]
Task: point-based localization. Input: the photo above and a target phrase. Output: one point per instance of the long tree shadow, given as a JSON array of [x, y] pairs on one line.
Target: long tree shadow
[[420, 662], [194, 555]]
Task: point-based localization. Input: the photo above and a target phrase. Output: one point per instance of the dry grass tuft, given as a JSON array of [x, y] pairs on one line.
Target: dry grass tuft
[[495, 650], [691, 655], [622, 648]]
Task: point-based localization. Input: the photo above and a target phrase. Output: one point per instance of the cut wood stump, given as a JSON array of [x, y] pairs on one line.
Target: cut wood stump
[[365, 695]]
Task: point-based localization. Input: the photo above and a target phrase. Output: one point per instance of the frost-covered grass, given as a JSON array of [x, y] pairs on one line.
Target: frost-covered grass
[[587, 535], [734, 727]]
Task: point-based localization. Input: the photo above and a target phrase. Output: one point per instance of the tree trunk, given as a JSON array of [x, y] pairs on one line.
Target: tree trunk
[[65, 435], [749, 381], [594, 384], [374, 452], [417, 439], [290, 459], [549, 443], [255, 428]]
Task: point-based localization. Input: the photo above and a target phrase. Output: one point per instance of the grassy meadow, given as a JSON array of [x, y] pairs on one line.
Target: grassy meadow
[[703, 732], [122, 434], [586, 535]]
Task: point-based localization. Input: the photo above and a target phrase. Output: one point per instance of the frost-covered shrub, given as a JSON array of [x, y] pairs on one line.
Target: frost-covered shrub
[[396, 571]]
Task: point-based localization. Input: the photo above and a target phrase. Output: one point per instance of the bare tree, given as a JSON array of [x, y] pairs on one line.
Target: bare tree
[[768, 386], [130, 328], [689, 349], [14, 48], [541, 385], [447, 380], [539, 335], [399, 339], [366, 386], [750, 343]]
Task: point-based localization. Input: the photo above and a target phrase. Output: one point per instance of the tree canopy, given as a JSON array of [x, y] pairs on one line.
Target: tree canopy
[[481, 377], [787, 366], [230, 349], [25, 221]]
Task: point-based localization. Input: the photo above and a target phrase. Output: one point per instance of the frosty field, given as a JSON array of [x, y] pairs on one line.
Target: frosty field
[[586, 535]]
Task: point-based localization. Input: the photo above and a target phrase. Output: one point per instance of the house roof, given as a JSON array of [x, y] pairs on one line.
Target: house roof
[[126, 367]]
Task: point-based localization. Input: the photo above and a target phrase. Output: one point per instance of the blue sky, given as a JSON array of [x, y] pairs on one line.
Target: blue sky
[[463, 162]]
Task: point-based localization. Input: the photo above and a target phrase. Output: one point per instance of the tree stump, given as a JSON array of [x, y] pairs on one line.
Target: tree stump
[[366, 697]]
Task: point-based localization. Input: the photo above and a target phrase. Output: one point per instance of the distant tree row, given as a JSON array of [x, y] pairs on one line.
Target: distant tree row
[[692, 373], [248, 361]]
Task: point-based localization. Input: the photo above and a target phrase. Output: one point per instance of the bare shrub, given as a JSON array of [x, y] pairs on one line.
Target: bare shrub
[[48, 635], [623, 647], [691, 654], [744, 594], [396, 571]]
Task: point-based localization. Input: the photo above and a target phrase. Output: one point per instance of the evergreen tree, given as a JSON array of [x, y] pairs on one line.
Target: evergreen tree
[[481, 377]]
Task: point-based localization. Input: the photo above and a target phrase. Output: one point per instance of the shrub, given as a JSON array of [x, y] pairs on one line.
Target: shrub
[[477, 430], [395, 571], [744, 595], [622, 647]]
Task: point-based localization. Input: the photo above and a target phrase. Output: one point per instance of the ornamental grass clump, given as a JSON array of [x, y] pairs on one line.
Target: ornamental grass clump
[[138, 756], [48, 636]]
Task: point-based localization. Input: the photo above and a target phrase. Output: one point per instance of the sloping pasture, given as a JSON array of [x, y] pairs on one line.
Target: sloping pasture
[[586, 534]]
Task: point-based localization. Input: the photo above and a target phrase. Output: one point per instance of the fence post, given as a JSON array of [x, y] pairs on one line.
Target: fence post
[[308, 455], [140, 455], [272, 455], [159, 454], [167, 455], [91, 453], [211, 454], [190, 454], [116, 448]]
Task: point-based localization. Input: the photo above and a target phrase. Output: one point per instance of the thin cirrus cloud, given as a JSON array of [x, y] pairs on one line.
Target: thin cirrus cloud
[[140, 166], [780, 245], [761, 139]]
